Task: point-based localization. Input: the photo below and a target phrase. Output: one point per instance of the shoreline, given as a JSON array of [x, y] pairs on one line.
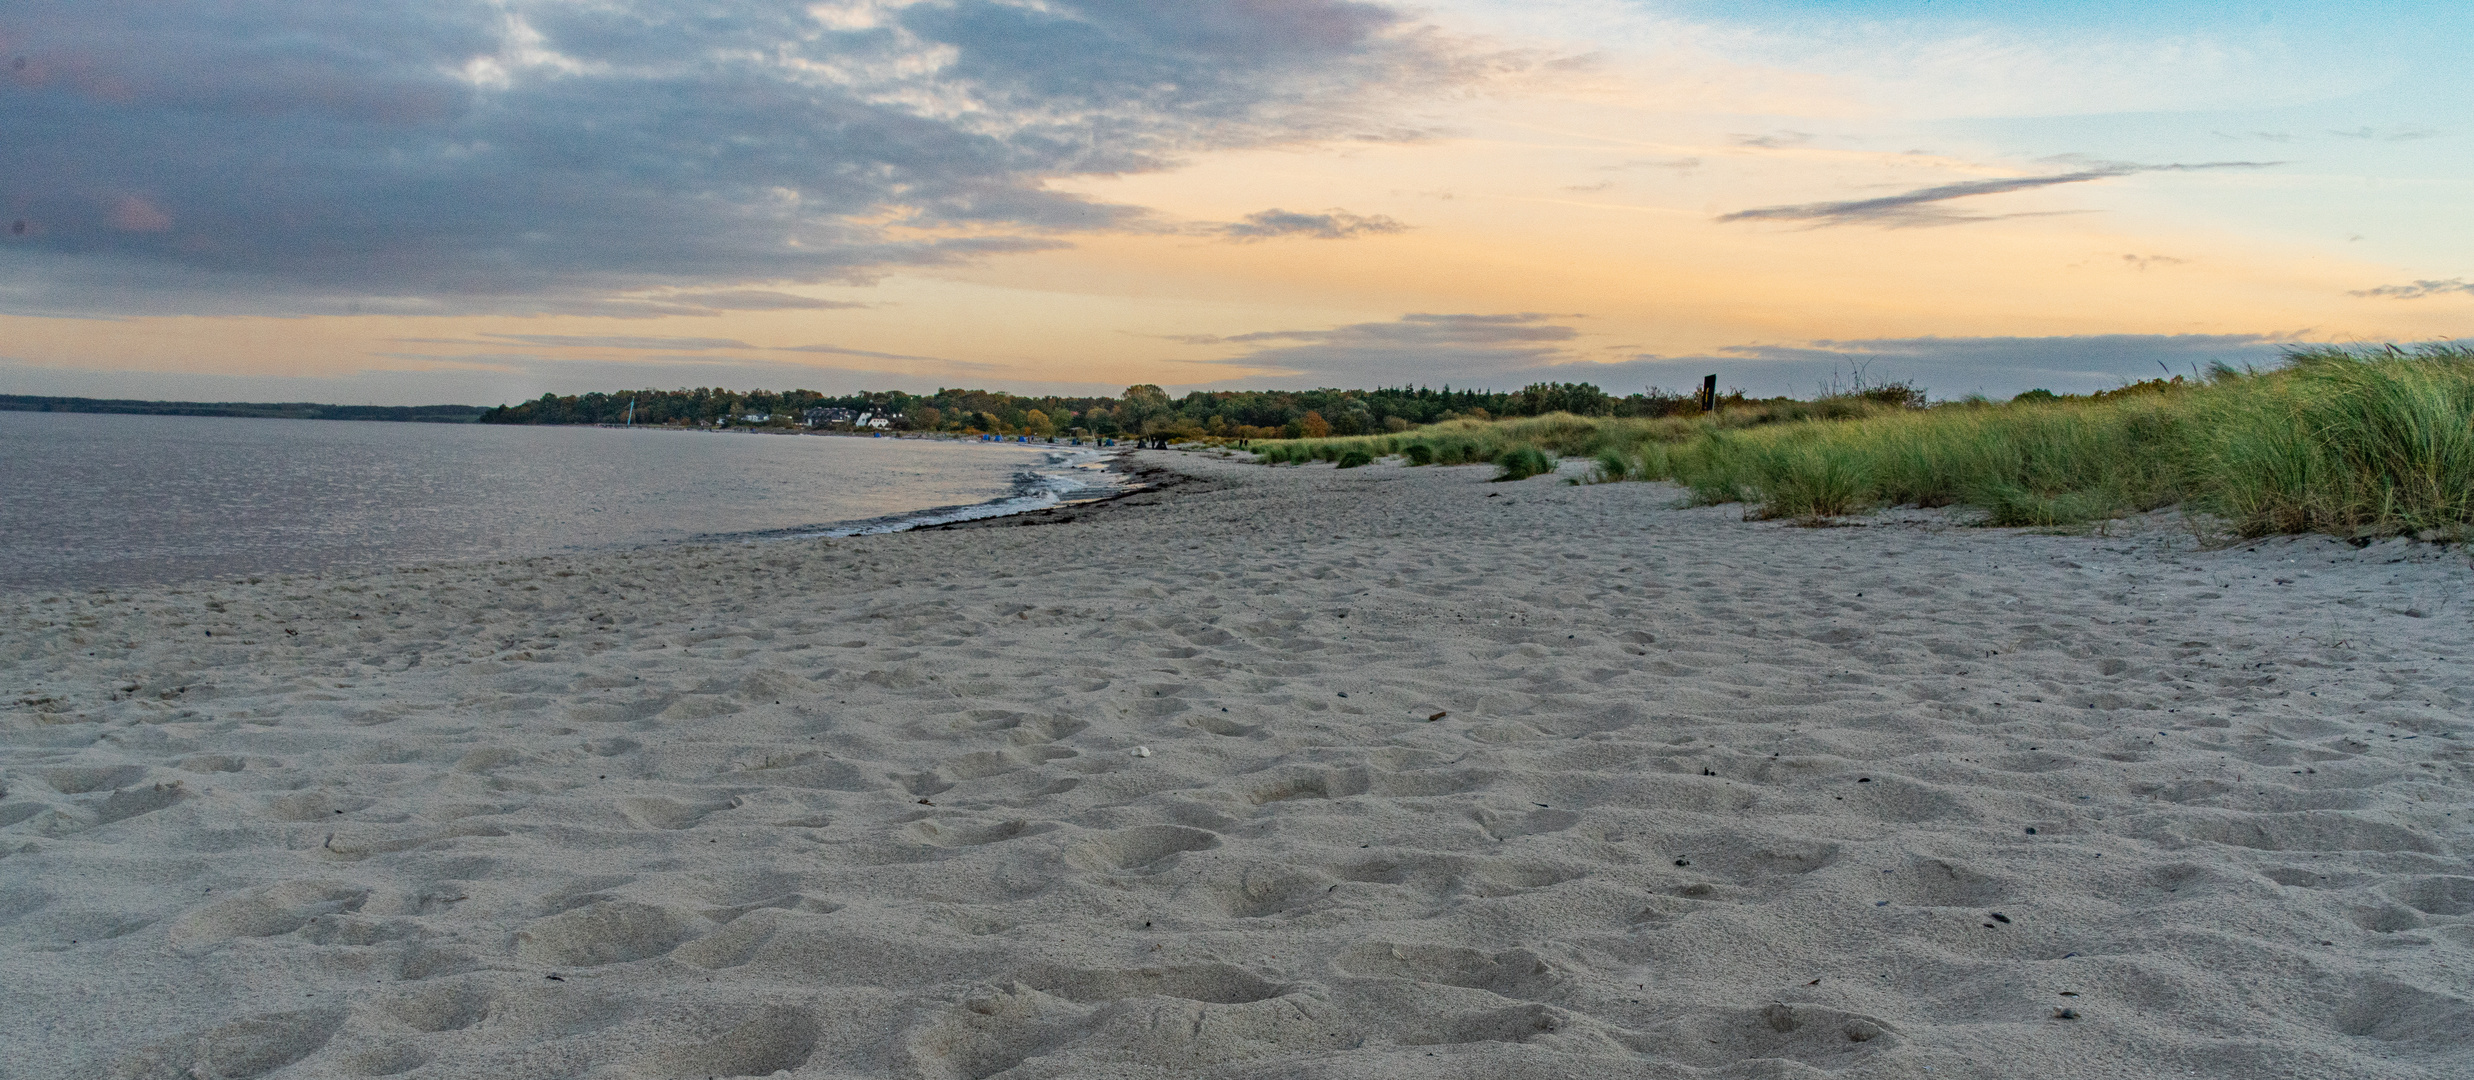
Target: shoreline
[[1260, 772], [1142, 478]]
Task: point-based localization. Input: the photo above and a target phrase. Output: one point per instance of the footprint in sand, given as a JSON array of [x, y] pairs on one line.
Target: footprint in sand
[[269, 911], [238, 1050], [83, 779], [443, 1008], [1295, 782], [1823, 1038], [1517, 973], [965, 835], [385, 1059], [924, 784], [775, 1039], [655, 812], [1513, 1024], [1217, 724], [2315, 830], [314, 805], [604, 932], [2395, 1012], [1212, 984], [1144, 848], [2438, 895]]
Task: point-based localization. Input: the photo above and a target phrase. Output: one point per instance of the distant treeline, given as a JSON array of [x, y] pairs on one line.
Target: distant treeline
[[1140, 410], [288, 410]]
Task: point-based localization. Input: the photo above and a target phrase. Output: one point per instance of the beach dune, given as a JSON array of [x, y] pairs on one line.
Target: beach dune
[[1382, 772]]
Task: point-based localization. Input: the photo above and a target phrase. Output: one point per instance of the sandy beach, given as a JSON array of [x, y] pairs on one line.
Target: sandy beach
[[1289, 772]]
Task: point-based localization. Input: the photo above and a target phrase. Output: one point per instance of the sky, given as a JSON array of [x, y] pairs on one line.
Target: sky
[[480, 201]]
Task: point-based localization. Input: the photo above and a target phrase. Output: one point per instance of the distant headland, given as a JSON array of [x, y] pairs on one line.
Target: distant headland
[[289, 410]]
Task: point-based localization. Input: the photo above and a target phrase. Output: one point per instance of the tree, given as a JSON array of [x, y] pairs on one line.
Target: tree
[[1579, 399], [1141, 404], [1315, 426]]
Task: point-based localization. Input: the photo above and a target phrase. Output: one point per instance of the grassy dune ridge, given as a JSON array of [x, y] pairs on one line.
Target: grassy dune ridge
[[2351, 442]]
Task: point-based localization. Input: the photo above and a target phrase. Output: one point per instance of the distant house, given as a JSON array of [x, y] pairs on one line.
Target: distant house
[[821, 417], [759, 418], [873, 420]]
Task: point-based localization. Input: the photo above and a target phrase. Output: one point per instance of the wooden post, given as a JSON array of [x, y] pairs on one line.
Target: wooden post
[[1709, 393]]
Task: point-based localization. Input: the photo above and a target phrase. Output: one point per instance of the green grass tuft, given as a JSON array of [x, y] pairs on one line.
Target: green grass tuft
[[1613, 465], [1521, 463]]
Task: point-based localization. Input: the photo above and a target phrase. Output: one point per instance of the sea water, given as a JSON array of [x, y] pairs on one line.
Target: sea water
[[91, 500]]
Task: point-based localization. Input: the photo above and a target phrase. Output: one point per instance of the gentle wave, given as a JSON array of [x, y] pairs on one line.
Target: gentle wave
[[1066, 476]]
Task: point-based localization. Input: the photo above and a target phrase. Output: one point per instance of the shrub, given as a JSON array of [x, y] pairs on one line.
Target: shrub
[[1354, 457], [1418, 453]]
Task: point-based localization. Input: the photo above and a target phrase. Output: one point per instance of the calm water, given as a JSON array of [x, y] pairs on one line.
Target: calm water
[[89, 500]]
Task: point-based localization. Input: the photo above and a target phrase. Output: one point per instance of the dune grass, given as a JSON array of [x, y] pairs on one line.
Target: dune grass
[[1560, 435], [2347, 442], [2350, 443]]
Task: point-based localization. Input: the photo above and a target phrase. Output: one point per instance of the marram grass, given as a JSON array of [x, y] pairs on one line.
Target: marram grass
[[2347, 442]]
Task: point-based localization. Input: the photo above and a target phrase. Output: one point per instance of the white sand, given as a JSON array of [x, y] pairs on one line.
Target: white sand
[[661, 814]]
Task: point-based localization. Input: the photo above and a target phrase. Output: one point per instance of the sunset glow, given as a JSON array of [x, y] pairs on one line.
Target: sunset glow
[[542, 196]]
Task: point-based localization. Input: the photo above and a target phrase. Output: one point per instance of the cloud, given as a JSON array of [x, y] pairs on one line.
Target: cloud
[[2142, 262], [1776, 140], [1424, 329], [2389, 135], [532, 155], [1678, 165], [757, 300], [670, 349], [837, 350], [1333, 224], [1681, 164], [493, 362], [2418, 290], [133, 214], [574, 341], [517, 378], [660, 306], [1423, 348], [2076, 350], [1923, 206]]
